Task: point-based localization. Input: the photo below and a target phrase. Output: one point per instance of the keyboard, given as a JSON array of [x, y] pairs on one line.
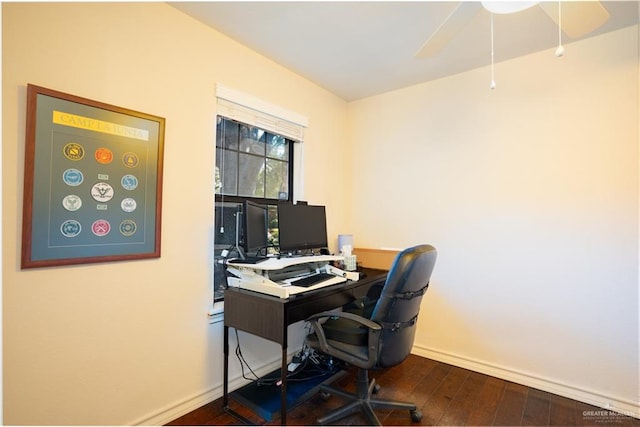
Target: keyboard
[[311, 280], [249, 260]]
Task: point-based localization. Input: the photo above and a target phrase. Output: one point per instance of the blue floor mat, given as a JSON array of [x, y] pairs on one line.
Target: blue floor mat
[[263, 397]]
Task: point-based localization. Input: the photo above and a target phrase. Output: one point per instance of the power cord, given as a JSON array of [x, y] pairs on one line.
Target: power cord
[[307, 361], [242, 360]]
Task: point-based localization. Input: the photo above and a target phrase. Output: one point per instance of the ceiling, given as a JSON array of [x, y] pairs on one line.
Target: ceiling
[[364, 48]]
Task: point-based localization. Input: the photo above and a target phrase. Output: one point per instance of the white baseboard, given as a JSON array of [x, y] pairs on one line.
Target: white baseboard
[[178, 409], [625, 407], [610, 403]]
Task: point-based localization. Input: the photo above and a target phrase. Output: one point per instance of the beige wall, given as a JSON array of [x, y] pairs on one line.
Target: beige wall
[[530, 194], [129, 342]]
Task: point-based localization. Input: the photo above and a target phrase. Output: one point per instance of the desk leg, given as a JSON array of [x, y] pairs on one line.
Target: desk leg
[[283, 390], [225, 387]]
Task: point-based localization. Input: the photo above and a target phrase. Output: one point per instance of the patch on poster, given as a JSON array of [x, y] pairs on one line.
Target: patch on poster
[[128, 227], [73, 151], [101, 227], [102, 192], [70, 228], [129, 182], [72, 202], [104, 155], [72, 177], [130, 160], [128, 204]]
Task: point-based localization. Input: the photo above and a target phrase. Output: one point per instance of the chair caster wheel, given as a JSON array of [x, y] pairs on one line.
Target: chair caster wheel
[[416, 415], [324, 395], [376, 389]]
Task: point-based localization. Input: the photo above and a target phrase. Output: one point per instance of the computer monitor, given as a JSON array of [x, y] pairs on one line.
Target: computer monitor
[[254, 227], [301, 227]]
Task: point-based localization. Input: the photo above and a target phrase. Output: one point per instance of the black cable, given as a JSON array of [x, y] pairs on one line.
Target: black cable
[[242, 360], [292, 376], [264, 250], [312, 357]]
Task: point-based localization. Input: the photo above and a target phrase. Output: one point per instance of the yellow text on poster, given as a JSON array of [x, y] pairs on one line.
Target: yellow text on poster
[[95, 125]]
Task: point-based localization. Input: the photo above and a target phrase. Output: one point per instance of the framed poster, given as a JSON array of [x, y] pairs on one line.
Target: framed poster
[[92, 181]]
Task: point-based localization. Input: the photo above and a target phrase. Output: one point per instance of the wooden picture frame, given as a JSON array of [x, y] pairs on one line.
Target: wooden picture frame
[[92, 181]]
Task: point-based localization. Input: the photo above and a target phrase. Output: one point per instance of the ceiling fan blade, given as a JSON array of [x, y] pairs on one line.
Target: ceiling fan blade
[[578, 18], [457, 19], [503, 7]]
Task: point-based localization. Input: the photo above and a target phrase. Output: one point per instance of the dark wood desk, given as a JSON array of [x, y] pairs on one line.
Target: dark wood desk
[[269, 317]]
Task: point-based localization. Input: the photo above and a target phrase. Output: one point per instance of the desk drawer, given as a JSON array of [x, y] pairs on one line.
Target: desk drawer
[[310, 305], [260, 316]]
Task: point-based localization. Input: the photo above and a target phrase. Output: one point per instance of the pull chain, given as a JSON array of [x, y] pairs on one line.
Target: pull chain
[[560, 49], [493, 81]]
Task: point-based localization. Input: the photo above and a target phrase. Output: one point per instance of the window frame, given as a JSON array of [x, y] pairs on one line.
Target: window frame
[[220, 197], [253, 111], [231, 199]]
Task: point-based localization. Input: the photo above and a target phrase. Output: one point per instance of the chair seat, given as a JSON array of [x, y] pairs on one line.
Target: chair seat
[[345, 331], [358, 351]]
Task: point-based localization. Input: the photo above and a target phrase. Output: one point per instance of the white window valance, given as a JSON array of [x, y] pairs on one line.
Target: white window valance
[[248, 109]]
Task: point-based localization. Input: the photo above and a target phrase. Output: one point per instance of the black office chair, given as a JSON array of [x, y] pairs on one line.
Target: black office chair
[[381, 341]]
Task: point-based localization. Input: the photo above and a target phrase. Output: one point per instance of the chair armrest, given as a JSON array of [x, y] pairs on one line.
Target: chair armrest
[[352, 357], [344, 315]]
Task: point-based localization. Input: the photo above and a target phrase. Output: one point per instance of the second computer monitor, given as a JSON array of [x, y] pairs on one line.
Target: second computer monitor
[[301, 227], [255, 227]]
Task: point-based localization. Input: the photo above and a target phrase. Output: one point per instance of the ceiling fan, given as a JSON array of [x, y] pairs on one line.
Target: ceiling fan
[[578, 18]]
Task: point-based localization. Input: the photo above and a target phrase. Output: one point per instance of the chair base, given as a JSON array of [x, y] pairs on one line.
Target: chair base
[[363, 402]]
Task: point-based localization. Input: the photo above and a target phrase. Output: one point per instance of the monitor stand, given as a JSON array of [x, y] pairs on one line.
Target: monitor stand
[[237, 247]]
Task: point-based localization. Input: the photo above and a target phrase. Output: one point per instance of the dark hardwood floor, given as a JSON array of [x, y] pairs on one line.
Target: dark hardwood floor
[[447, 396]]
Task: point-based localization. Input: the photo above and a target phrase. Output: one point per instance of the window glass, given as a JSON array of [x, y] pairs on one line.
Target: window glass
[[277, 179], [227, 167], [277, 148], [227, 134], [251, 175], [251, 164]]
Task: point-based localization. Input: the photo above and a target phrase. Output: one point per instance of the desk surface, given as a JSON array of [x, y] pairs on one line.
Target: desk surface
[[265, 315]]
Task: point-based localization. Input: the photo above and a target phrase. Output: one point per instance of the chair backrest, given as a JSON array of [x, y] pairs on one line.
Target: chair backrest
[[399, 303]]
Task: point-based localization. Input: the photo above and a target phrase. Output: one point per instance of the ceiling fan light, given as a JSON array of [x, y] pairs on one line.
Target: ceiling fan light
[[504, 7]]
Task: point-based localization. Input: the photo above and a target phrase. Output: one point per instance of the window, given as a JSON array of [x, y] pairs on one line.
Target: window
[[258, 158], [251, 164], [254, 163]]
